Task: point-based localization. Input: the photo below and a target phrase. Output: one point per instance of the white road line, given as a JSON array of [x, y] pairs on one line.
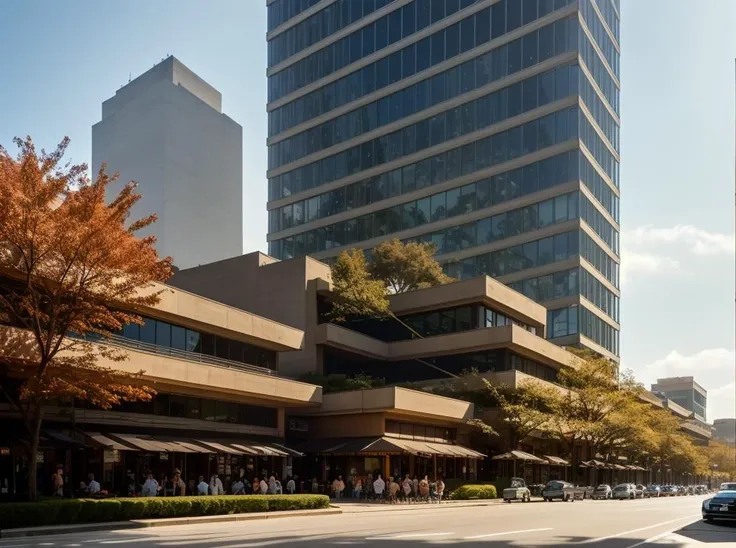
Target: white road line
[[409, 535], [507, 533], [622, 533], [649, 540]]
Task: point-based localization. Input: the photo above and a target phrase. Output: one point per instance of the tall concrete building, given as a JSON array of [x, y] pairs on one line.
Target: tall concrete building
[[488, 127], [725, 430], [685, 392], [166, 130]]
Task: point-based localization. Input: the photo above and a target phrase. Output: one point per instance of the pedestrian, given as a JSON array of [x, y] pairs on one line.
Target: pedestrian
[[203, 488], [238, 487], [256, 485], [291, 486], [415, 487], [424, 489], [393, 490], [216, 487], [179, 485], [379, 486], [93, 487], [57, 482], [439, 488], [406, 488], [272, 485], [263, 486], [357, 488], [150, 487], [337, 487], [315, 485], [279, 487]]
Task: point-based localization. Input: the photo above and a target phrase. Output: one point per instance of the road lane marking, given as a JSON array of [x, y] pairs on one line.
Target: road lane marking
[[652, 539], [507, 533], [409, 535], [600, 539]]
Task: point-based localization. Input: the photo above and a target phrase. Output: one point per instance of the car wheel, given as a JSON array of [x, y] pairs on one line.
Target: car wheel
[[565, 498]]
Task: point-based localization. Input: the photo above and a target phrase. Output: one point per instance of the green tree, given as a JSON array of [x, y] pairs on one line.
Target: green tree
[[406, 267], [355, 292], [523, 409]]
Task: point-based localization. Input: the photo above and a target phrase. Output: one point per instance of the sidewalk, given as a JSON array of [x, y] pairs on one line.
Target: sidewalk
[[350, 507], [165, 522]]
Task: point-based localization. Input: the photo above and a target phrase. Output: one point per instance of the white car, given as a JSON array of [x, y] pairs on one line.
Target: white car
[[624, 491]]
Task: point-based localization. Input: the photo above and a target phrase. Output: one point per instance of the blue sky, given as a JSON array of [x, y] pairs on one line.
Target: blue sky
[[62, 59]]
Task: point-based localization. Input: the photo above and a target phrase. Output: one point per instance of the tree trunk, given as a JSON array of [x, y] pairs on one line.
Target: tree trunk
[[34, 431]]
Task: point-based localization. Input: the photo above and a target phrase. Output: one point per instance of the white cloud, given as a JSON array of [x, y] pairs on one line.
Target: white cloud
[[651, 251], [712, 368], [695, 240]]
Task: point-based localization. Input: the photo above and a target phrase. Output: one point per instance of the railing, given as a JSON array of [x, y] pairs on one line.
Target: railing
[[175, 353]]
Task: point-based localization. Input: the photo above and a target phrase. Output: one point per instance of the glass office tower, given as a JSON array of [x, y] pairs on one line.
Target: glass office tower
[[490, 128]]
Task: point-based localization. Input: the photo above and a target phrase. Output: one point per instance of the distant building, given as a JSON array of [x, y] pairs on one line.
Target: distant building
[[166, 130], [685, 392], [725, 430]]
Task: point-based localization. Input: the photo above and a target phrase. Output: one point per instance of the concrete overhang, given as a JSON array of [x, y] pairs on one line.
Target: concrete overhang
[[483, 289], [171, 374], [511, 336], [196, 312], [396, 401]]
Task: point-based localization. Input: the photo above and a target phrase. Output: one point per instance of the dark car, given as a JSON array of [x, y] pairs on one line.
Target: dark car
[[721, 506], [558, 490], [653, 491]]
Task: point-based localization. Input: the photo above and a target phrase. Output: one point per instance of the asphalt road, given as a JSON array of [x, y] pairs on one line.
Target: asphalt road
[[674, 522]]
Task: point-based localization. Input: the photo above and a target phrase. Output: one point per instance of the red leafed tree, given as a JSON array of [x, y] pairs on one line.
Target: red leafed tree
[[71, 272]]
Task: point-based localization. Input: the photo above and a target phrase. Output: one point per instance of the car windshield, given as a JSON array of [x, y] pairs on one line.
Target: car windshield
[[621, 488], [728, 487], [517, 483], [604, 486]]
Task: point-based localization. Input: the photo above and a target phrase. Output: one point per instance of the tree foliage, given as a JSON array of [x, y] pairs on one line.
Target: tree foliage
[[72, 271], [406, 267], [343, 383], [357, 294]]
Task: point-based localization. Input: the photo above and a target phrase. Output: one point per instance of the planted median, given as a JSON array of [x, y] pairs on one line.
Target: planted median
[[71, 511]]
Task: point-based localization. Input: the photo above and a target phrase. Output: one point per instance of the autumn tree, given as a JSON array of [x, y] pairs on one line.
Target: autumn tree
[[356, 292], [406, 267], [72, 271], [523, 409]]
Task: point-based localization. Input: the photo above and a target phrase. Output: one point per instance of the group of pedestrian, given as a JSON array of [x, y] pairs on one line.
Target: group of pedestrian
[[394, 490], [239, 485]]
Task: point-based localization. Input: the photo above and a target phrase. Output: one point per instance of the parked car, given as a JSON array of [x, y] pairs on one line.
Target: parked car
[[517, 491], [561, 490], [668, 491], [653, 491], [721, 506], [624, 491], [602, 492], [641, 491]]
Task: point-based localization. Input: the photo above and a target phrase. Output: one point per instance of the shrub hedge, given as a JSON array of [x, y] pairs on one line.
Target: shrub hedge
[[474, 491], [68, 511]]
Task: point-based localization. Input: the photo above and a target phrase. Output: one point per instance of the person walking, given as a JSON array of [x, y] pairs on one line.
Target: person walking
[[263, 486], [424, 489], [216, 487], [357, 488], [256, 485], [150, 487], [439, 488], [415, 488], [57, 482], [393, 490], [406, 488], [272, 485], [338, 486], [379, 486], [203, 488], [290, 486], [180, 487]]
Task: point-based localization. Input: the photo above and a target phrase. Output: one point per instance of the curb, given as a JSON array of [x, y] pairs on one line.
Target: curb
[[165, 522], [350, 509]]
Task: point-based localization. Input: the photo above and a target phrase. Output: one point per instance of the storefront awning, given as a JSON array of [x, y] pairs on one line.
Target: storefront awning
[[518, 455], [62, 438], [556, 461], [222, 448], [386, 445], [108, 443], [148, 444]]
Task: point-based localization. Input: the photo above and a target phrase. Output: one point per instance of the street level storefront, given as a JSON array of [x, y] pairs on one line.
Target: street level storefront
[[390, 431], [387, 456], [121, 461]]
